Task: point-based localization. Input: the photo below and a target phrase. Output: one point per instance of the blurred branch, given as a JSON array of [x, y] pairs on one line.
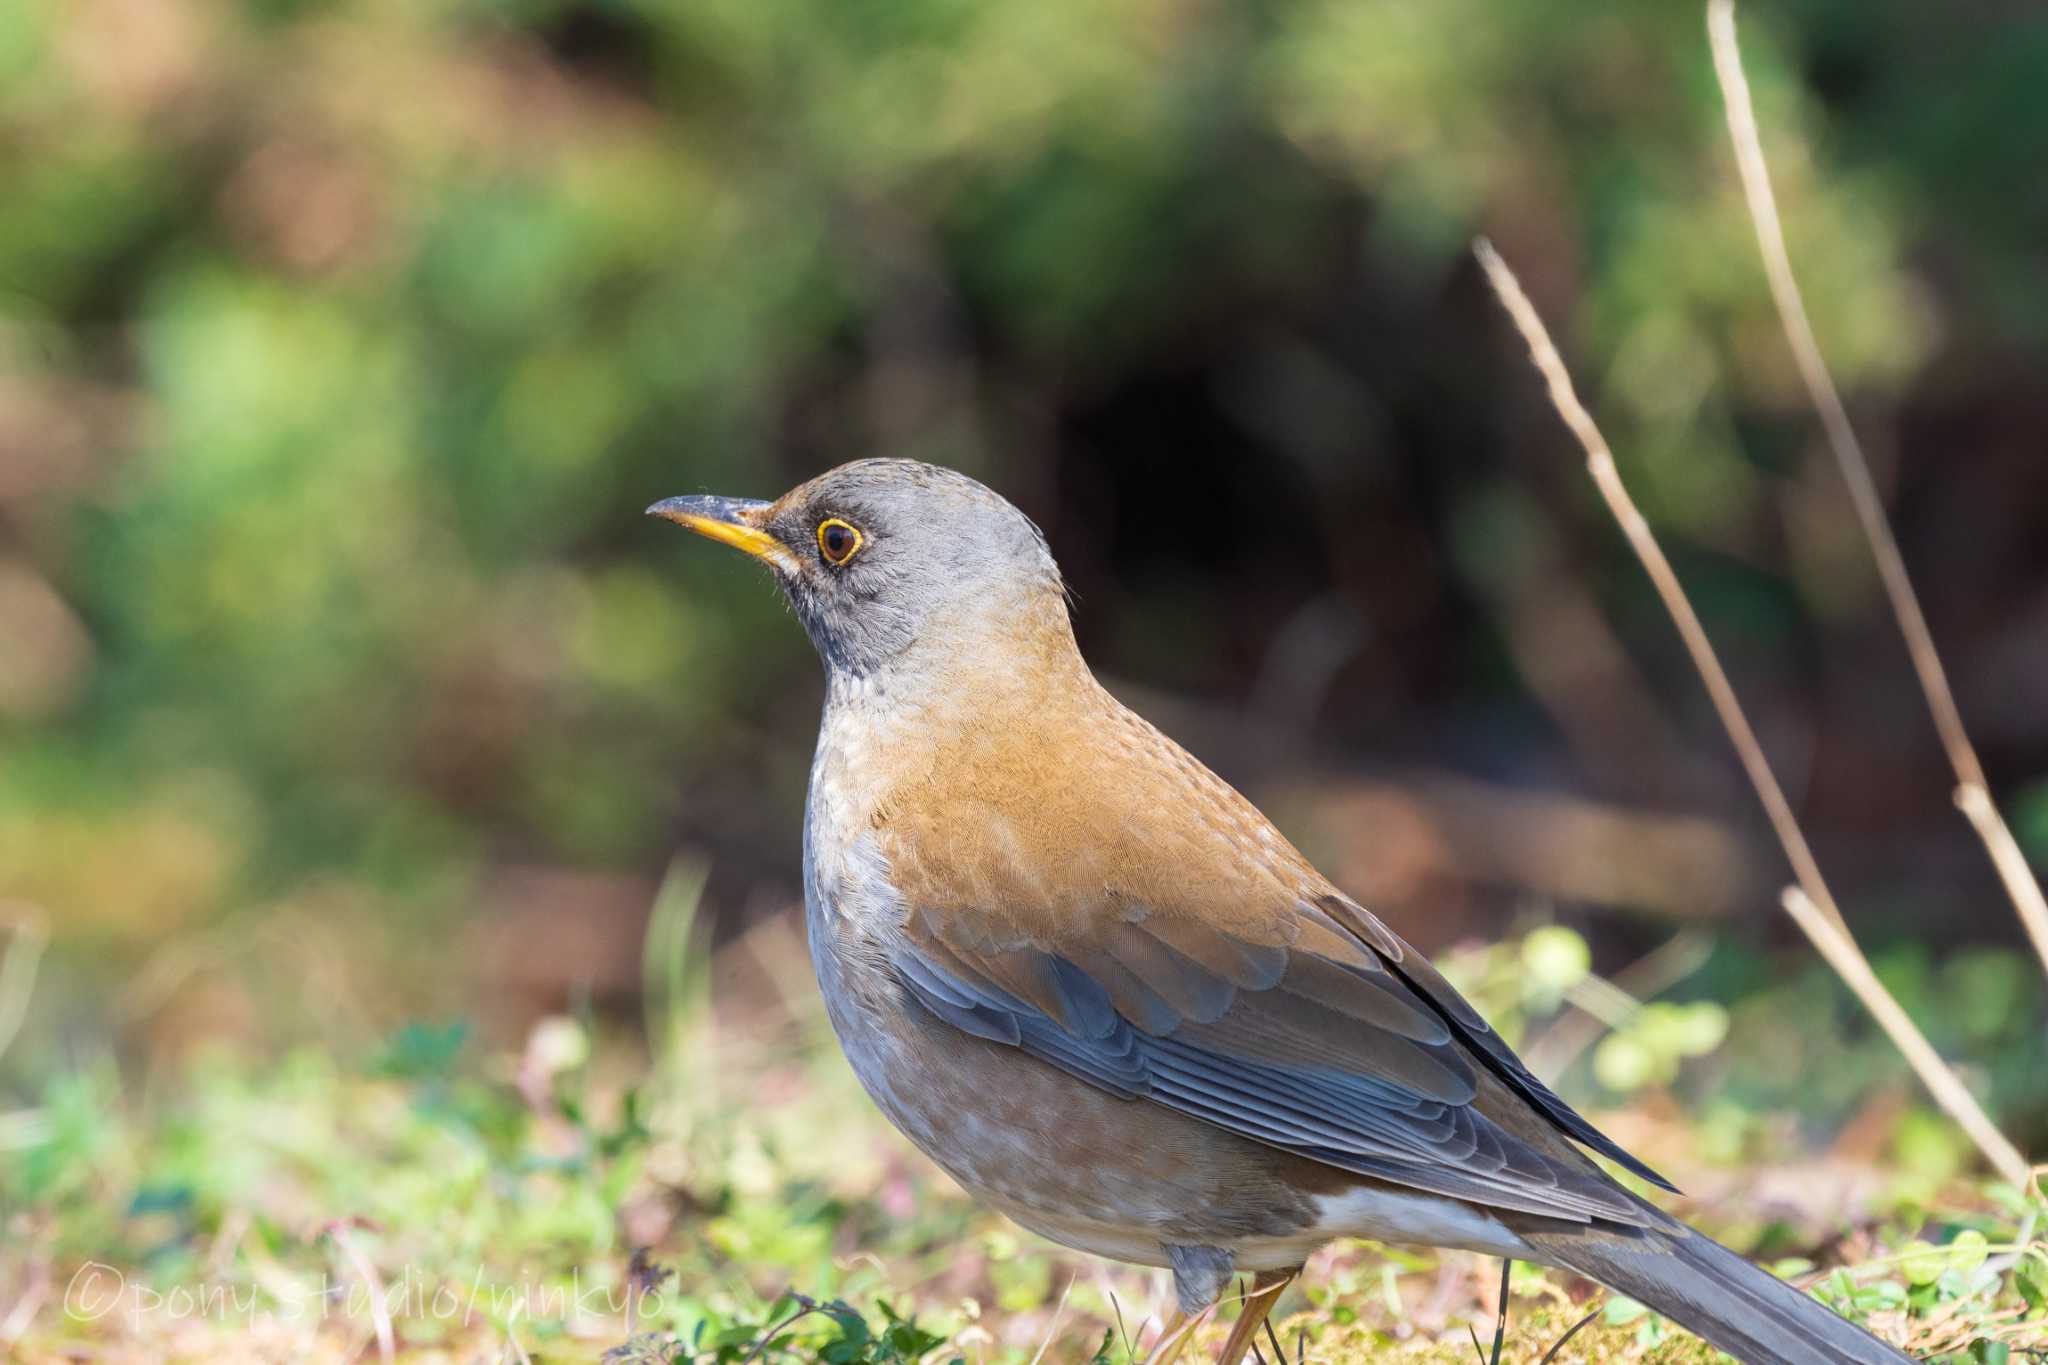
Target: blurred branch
[[1583, 678], [1649, 976], [18, 968], [1824, 924], [29, 1301], [676, 971], [1398, 839], [1972, 793]]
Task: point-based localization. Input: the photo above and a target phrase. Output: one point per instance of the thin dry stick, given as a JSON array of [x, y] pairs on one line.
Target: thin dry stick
[[1600, 461], [1934, 1073], [1854, 969], [373, 1283], [1972, 793]]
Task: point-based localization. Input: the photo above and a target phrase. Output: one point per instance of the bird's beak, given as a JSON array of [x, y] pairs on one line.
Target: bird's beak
[[731, 521]]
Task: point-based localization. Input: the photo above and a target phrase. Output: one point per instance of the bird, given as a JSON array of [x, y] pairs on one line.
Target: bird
[[1102, 992]]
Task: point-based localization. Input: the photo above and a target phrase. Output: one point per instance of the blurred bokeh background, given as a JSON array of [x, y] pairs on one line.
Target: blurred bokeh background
[[342, 683]]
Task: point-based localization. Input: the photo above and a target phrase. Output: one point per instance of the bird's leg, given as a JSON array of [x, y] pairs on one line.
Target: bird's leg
[[1200, 1275], [1266, 1291], [1180, 1329]]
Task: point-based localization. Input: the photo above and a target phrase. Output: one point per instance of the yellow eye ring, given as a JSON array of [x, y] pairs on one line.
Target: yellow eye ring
[[838, 541]]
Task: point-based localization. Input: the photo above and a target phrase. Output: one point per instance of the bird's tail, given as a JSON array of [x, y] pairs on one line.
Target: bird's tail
[[1702, 1285]]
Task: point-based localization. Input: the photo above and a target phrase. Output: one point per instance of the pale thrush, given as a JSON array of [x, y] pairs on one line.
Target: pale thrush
[[1100, 990]]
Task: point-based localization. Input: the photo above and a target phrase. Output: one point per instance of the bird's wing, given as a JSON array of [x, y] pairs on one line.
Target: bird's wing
[[1163, 942], [1322, 1047]]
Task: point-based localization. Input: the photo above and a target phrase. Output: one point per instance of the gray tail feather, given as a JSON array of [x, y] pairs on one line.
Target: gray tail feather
[[1700, 1284]]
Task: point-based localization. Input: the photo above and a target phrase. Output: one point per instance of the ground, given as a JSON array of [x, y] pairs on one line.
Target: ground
[[733, 1197]]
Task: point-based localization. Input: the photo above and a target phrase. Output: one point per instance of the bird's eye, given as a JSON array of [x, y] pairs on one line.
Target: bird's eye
[[837, 541]]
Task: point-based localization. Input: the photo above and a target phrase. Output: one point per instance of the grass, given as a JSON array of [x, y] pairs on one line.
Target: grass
[[734, 1198], [420, 1204]]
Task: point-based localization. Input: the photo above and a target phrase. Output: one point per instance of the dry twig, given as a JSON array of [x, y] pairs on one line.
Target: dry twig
[[1854, 968], [337, 1232], [1972, 792], [1940, 1080]]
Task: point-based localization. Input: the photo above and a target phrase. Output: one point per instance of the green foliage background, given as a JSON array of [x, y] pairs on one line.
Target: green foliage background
[[350, 711], [341, 342]]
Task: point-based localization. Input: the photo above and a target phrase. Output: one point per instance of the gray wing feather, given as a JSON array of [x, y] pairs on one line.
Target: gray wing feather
[[1416, 1127]]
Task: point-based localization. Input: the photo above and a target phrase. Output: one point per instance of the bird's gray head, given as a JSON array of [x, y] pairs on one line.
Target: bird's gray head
[[889, 560]]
